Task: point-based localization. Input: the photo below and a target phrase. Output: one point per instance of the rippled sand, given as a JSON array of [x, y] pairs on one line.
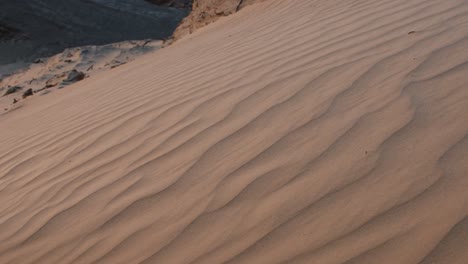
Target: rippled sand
[[319, 132]]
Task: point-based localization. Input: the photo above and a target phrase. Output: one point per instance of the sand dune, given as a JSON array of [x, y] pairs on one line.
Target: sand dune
[[47, 74], [291, 132]]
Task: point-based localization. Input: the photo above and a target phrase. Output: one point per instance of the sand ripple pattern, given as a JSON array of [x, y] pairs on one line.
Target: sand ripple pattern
[[315, 131]]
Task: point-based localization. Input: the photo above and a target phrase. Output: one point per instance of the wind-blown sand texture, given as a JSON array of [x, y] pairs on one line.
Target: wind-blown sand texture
[[292, 132]]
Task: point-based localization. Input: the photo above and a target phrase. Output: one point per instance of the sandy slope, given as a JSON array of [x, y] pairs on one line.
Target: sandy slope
[[291, 132]]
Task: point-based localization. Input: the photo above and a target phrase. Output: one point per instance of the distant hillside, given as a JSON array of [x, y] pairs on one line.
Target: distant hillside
[[35, 28]]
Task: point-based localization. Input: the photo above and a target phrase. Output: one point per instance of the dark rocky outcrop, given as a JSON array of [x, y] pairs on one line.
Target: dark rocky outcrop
[[28, 93], [65, 78], [74, 76], [12, 90], [205, 12]]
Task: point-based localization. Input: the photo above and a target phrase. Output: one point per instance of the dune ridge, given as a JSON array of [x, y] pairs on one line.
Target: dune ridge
[[329, 132]]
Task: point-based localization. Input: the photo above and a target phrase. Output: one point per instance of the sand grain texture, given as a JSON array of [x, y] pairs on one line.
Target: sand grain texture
[[291, 132]]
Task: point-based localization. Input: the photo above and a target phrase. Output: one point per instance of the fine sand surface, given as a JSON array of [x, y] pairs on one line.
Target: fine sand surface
[[321, 132]]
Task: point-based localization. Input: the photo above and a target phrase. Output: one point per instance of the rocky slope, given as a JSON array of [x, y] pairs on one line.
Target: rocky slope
[[205, 12], [40, 28], [46, 75]]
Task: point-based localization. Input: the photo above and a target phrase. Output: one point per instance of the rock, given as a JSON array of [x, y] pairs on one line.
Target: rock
[[74, 76], [116, 64], [28, 93], [56, 80], [12, 90], [205, 12], [65, 78], [15, 101], [38, 61]]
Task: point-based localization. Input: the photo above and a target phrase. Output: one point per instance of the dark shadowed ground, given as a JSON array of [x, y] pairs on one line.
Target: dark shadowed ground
[[38, 28]]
